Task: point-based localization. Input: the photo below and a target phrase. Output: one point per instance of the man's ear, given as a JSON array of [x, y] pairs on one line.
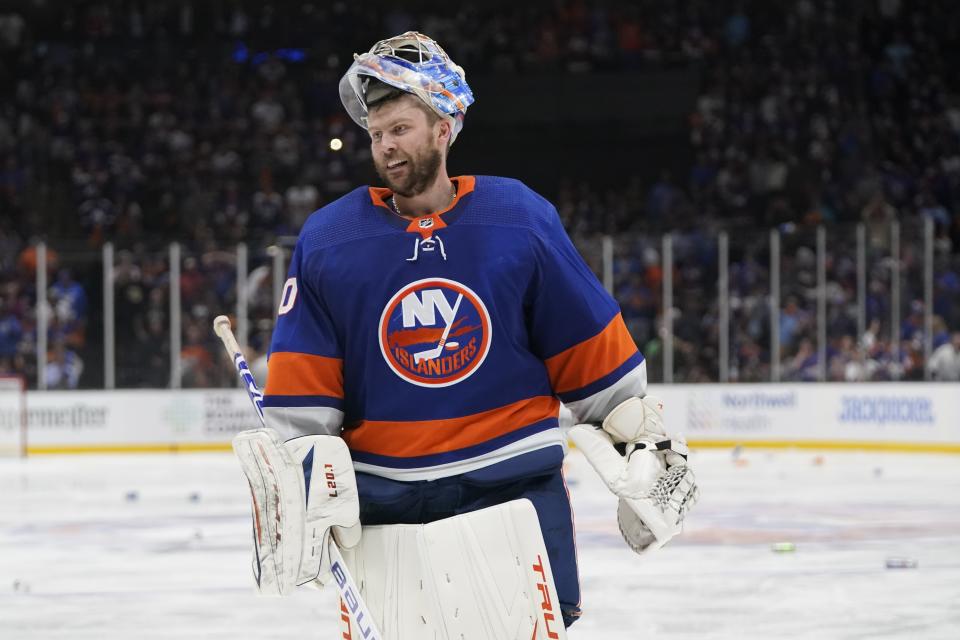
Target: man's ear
[[445, 131]]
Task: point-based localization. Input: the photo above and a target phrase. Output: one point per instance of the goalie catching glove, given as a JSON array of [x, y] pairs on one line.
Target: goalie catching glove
[[655, 485], [302, 490]]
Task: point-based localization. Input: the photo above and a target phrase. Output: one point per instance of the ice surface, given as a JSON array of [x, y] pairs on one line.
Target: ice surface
[[121, 547]]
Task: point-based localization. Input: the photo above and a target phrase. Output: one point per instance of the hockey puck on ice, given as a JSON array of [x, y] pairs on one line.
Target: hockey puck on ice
[[132, 496], [901, 563]]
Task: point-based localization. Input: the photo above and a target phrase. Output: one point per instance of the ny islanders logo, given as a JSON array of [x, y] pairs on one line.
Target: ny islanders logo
[[435, 332]]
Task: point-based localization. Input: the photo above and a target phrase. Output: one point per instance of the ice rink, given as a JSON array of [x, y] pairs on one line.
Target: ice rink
[[157, 546]]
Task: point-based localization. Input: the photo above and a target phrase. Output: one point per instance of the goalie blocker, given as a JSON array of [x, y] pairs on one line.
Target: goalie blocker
[[303, 490]]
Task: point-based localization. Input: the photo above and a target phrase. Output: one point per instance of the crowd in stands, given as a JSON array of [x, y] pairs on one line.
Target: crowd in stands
[[142, 122], [810, 113]]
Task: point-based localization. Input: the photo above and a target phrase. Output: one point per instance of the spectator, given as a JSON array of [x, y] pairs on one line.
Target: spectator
[[11, 332], [64, 367], [945, 361], [877, 215], [302, 199], [69, 303]]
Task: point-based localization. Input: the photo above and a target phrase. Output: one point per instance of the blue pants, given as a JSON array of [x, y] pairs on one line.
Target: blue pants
[[384, 501]]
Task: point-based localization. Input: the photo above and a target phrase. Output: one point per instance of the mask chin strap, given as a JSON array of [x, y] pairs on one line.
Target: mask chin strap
[[427, 245]]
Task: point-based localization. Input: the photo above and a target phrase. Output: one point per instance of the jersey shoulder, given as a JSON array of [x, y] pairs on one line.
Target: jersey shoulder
[[509, 202], [349, 217]]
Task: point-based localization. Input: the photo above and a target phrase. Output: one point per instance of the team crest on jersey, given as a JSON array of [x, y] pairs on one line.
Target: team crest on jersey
[[435, 332]]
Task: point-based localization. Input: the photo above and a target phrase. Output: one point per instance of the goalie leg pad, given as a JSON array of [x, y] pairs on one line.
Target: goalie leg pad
[[300, 490], [385, 501], [483, 575]]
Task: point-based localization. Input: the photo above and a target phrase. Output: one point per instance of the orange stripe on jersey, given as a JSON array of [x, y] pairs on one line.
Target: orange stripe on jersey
[[302, 374], [592, 359], [425, 437]]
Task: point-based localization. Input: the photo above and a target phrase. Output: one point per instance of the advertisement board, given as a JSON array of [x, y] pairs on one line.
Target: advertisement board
[[136, 420], [879, 416], [869, 416]]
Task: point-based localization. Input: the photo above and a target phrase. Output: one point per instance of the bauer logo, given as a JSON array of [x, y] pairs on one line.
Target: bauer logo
[[435, 332]]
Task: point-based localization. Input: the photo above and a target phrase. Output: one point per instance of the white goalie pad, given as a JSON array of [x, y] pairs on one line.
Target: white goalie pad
[[301, 490], [483, 575]]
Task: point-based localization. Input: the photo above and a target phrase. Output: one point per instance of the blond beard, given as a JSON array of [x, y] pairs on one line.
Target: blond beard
[[423, 170]]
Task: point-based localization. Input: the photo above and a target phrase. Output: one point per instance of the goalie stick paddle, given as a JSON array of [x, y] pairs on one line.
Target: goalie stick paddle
[[347, 586]]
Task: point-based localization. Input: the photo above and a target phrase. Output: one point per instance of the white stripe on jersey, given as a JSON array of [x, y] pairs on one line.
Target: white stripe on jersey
[[292, 422], [549, 438], [593, 409]]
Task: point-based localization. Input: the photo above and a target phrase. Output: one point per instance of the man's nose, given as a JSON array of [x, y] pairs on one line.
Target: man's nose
[[388, 144]]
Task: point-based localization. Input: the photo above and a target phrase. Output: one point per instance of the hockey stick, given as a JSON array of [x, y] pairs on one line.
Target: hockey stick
[[221, 326], [430, 354], [347, 586]]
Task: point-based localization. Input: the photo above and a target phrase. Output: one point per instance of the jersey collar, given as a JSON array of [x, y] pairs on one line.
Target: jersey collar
[[427, 224]]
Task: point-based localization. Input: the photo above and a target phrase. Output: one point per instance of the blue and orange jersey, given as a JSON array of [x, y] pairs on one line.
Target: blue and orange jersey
[[444, 344]]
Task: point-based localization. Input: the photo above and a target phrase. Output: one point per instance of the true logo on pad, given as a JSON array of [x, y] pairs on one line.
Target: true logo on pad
[[435, 332]]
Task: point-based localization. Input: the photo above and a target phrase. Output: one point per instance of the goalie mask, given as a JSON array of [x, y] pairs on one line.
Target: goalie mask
[[412, 63]]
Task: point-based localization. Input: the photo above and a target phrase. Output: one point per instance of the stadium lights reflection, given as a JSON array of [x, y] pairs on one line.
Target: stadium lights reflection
[[336, 144]]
